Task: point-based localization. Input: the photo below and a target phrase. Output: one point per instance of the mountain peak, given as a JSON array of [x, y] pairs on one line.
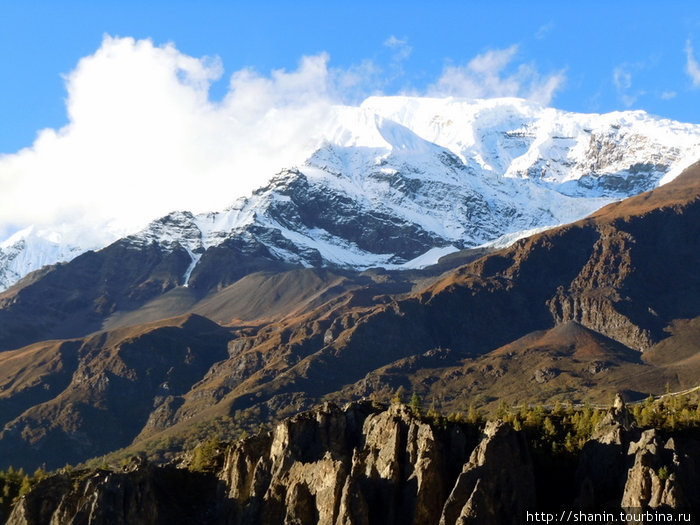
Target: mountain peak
[[397, 177]]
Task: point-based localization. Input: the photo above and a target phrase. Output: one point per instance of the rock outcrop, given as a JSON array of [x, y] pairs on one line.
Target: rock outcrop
[[497, 485], [663, 469], [141, 495], [602, 465], [351, 466], [364, 465], [358, 465], [623, 467]]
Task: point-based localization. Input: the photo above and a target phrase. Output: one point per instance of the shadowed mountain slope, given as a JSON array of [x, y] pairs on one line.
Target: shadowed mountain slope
[[568, 314], [625, 277], [482, 307], [65, 401]]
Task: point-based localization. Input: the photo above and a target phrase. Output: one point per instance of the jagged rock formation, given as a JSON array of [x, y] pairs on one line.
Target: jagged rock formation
[[497, 485], [364, 465], [141, 495], [622, 466], [353, 466], [664, 473], [602, 464], [359, 465]]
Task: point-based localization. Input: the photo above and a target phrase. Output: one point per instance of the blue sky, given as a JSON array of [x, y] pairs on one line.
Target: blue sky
[[112, 113], [612, 55]]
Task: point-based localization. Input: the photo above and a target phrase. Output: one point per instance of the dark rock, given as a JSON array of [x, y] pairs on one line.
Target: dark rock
[[497, 485], [543, 375], [147, 495], [365, 465], [663, 474], [602, 468]]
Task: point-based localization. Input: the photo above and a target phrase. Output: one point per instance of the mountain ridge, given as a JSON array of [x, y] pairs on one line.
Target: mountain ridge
[[257, 338], [436, 173]]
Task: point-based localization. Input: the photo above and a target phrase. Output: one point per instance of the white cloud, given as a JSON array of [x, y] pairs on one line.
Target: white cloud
[[355, 83], [691, 66], [400, 47], [144, 139], [544, 30], [486, 76], [622, 80], [668, 95]]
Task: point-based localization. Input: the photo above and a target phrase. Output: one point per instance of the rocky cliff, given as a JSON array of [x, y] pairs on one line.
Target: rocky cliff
[[364, 465], [561, 315]]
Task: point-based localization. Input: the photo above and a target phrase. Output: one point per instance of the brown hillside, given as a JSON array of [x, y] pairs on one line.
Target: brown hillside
[[577, 313], [75, 399]]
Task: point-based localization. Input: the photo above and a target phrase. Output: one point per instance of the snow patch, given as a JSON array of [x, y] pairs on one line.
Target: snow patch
[[429, 258], [509, 238], [195, 259]]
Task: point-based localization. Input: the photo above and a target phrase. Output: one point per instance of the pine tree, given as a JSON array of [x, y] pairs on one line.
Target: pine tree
[[398, 396], [415, 404]]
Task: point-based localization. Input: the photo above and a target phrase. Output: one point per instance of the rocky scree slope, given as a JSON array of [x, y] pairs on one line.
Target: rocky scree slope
[[361, 464]]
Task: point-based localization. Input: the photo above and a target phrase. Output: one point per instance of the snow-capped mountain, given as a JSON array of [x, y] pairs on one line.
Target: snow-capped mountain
[[400, 181], [611, 153], [31, 248]]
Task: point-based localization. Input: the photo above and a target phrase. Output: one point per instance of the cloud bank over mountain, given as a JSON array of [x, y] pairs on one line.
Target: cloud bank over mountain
[[486, 76], [144, 136]]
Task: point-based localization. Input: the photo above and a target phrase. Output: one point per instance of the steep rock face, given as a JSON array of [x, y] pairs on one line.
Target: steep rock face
[[663, 473], [143, 495], [497, 485], [618, 292], [592, 296], [602, 467], [400, 474], [355, 466], [308, 204], [645, 487], [365, 465]]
